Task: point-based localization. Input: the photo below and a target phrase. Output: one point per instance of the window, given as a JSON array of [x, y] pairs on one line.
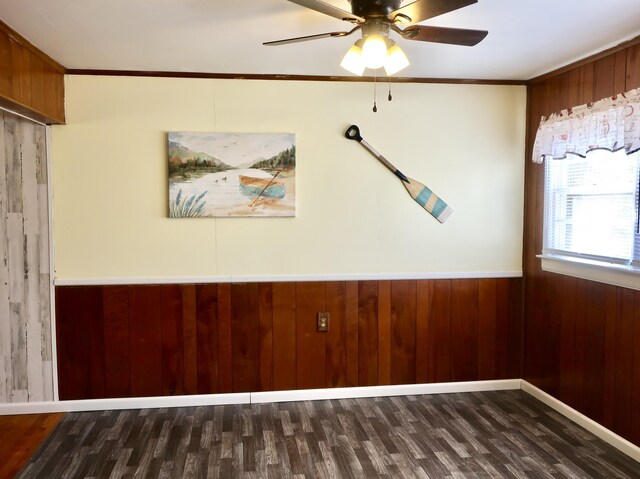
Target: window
[[591, 211]]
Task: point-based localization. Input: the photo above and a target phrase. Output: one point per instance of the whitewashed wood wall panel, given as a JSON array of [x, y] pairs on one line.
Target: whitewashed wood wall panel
[[26, 369]]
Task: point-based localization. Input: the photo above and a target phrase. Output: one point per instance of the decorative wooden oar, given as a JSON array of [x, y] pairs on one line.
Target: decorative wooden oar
[[419, 192]]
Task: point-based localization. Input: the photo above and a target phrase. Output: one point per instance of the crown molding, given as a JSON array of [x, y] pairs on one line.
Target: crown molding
[[257, 76]]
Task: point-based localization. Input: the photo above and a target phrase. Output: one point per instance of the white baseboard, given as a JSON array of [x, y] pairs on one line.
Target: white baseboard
[[380, 391], [590, 425], [123, 403], [247, 398]]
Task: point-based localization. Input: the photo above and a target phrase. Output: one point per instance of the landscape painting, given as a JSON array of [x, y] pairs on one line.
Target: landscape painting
[[231, 174]]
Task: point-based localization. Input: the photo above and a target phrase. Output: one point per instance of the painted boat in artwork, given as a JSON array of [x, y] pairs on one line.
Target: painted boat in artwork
[[255, 186]]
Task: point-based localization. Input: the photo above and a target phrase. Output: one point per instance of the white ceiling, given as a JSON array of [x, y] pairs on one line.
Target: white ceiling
[[526, 37]]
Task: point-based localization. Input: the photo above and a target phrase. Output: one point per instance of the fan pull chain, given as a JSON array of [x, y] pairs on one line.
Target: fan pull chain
[[375, 107], [389, 97], [638, 210]]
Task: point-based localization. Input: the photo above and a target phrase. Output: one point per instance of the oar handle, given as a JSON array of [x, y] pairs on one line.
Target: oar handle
[[353, 133]]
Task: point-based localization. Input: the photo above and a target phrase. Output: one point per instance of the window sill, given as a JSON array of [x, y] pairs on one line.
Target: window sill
[[615, 274]]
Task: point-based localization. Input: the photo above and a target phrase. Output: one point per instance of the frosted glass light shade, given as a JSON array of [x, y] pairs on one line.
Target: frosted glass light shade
[[396, 60], [374, 51], [353, 61]]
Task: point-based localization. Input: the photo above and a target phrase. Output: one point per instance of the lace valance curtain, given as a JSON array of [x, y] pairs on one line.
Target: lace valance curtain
[[610, 124]]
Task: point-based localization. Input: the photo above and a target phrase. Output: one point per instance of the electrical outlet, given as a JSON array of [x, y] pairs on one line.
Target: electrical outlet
[[323, 322]]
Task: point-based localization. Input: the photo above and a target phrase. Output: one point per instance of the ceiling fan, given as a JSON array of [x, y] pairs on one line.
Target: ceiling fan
[[377, 18]]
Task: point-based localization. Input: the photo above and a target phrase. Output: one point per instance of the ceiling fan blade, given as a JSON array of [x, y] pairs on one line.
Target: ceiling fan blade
[[307, 38], [327, 9], [452, 36], [424, 9]]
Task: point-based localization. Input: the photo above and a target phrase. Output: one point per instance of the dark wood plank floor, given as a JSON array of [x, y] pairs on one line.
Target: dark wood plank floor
[[495, 434]]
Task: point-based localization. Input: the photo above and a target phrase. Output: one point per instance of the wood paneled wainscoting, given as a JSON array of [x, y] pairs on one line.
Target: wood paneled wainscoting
[[582, 339], [155, 340]]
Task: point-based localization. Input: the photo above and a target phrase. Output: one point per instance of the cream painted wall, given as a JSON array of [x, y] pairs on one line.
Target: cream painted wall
[[466, 142]]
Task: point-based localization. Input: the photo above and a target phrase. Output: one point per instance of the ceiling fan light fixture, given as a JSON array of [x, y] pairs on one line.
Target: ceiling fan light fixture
[[374, 51], [396, 60], [376, 19], [353, 60]]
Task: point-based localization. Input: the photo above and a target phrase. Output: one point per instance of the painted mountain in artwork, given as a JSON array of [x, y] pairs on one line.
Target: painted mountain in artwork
[[284, 160], [180, 155]]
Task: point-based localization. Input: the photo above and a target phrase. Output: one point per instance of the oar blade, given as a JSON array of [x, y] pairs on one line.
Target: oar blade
[[428, 200]]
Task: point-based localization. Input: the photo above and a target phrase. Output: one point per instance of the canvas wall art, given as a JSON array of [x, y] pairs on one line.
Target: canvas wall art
[[231, 174]]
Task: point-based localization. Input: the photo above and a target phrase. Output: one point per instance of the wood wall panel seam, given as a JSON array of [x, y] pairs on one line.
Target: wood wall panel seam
[[403, 331], [487, 331], [384, 333], [352, 333], [245, 334], [335, 299], [368, 334], [207, 338], [440, 340], [265, 298], [225, 339], [423, 320], [145, 341], [284, 336], [633, 68], [189, 335], [311, 349], [171, 325], [620, 73], [464, 328]]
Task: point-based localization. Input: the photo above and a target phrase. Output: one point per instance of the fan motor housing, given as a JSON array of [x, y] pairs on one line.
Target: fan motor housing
[[374, 8]]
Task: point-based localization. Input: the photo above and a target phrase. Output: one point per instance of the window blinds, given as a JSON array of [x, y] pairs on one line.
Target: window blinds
[[591, 207]]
